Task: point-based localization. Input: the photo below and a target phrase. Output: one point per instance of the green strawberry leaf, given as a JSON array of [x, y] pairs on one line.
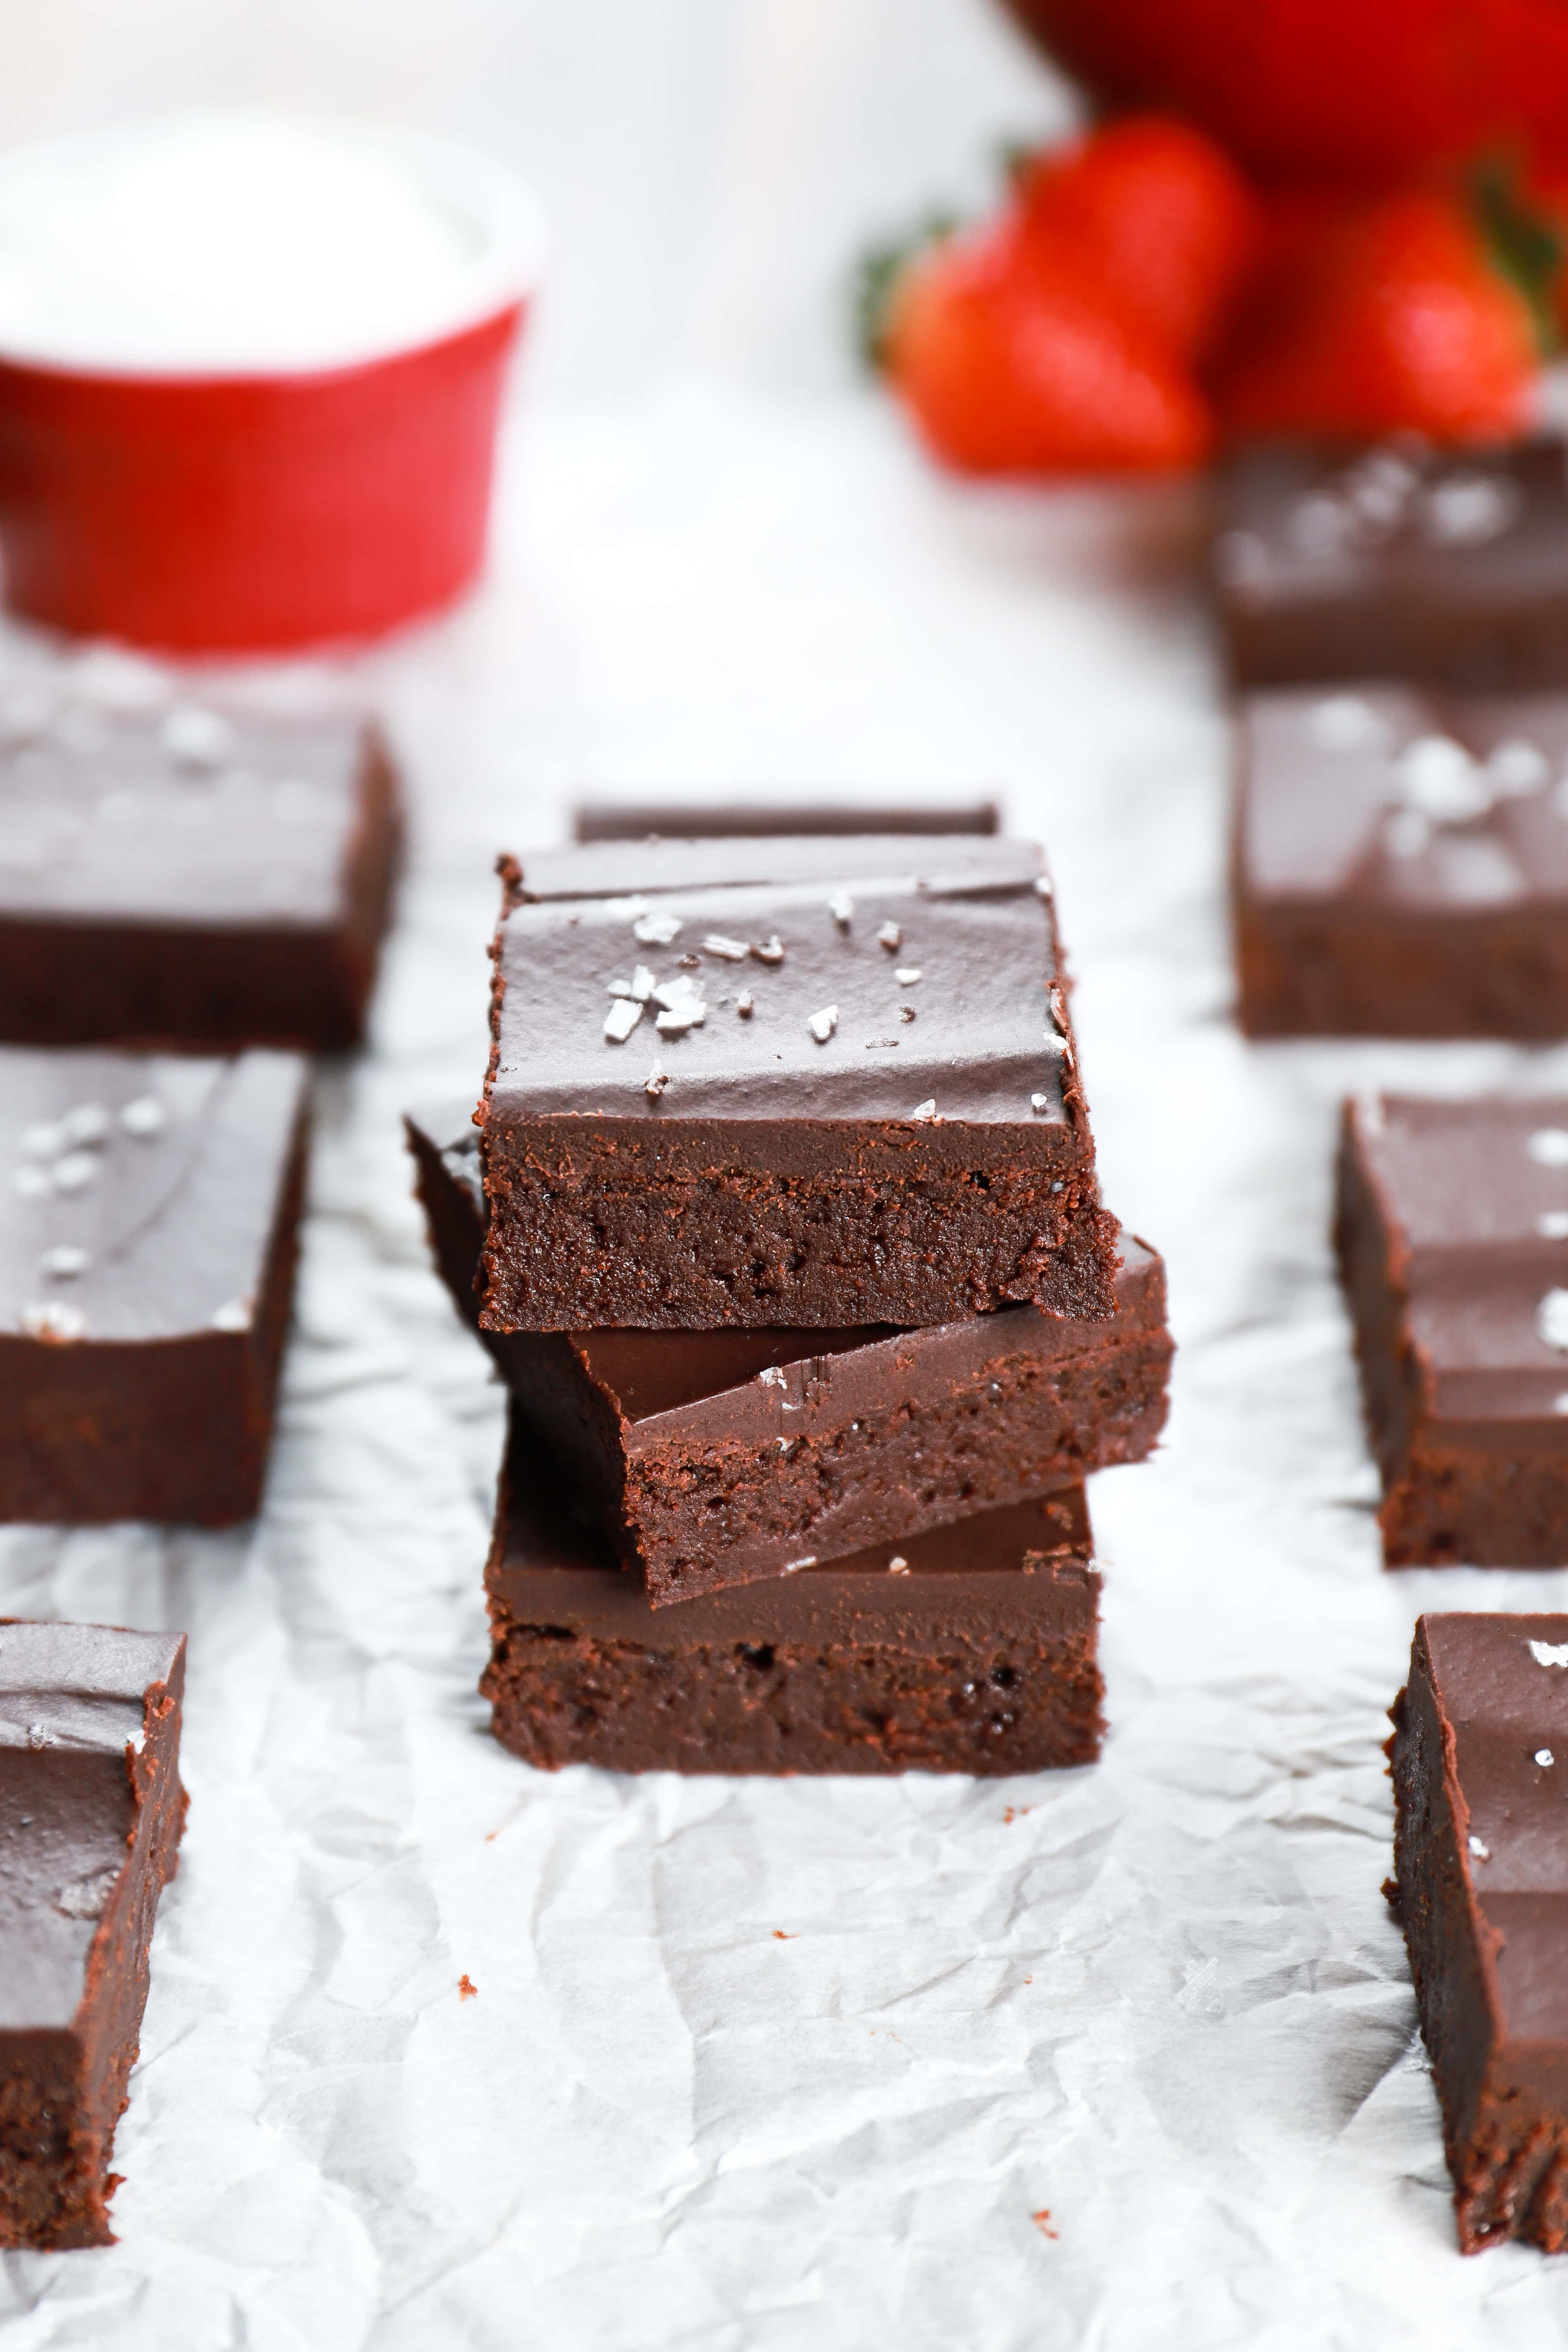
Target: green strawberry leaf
[[876, 279], [1524, 243]]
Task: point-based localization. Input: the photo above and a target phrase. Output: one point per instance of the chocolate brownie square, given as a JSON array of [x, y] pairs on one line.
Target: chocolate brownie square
[[1452, 1231], [149, 1217], [1400, 863], [971, 1648], [93, 1810], [189, 875], [1481, 1861], [1398, 561], [717, 1456], [787, 1082]]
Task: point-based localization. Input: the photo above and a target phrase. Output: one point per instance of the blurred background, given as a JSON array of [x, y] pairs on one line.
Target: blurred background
[[710, 167]]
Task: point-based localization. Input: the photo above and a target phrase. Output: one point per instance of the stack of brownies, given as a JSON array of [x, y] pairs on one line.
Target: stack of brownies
[[782, 1223]]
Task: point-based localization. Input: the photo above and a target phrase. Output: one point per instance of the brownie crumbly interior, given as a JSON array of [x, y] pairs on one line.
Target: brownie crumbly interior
[[89, 1735], [967, 1649]]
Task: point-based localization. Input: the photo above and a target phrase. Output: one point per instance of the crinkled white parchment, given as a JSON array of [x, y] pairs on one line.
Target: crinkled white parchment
[[1123, 2057]]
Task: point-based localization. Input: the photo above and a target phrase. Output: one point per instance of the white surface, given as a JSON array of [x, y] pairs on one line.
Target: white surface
[[246, 242], [1161, 1998]]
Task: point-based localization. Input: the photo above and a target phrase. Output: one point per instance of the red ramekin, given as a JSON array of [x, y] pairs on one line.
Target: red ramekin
[[241, 512]]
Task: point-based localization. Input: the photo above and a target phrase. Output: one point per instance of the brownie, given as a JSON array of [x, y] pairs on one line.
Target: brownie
[[970, 1648], [1452, 1233], [706, 820], [148, 1214], [718, 1456], [785, 1082], [1480, 1859], [1400, 863], [185, 877], [1395, 562], [89, 1768]]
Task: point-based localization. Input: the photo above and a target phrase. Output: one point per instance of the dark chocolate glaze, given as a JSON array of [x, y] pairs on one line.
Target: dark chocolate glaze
[[100, 820], [1482, 1868], [186, 877], [976, 931], [1475, 1238], [1394, 563], [76, 1705], [89, 1826], [165, 1220], [627, 869], [729, 820], [149, 1215], [1325, 771], [1400, 862]]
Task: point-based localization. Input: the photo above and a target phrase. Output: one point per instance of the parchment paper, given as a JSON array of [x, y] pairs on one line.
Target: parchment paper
[[1123, 2057]]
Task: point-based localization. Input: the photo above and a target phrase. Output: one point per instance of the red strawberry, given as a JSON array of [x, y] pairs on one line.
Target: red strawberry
[[1153, 215], [1009, 367], [1393, 317]]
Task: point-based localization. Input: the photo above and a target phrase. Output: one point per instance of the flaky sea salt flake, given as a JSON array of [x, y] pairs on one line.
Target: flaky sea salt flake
[[890, 936], [621, 1018], [89, 1123], [1548, 1654], [823, 1024], [145, 1118], [769, 951], [64, 1262], [731, 951], [655, 929], [76, 1171]]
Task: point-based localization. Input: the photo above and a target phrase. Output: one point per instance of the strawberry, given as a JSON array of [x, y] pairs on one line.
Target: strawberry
[[1393, 316], [1009, 366], [1153, 213]]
